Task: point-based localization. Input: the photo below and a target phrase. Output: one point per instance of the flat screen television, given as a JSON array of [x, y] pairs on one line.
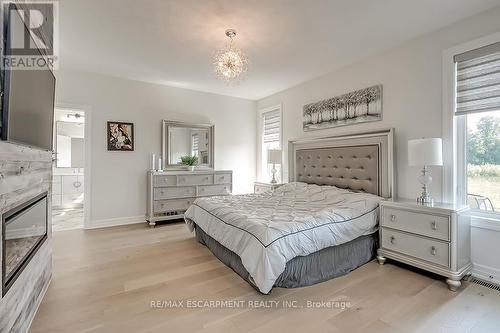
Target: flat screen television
[[27, 101]]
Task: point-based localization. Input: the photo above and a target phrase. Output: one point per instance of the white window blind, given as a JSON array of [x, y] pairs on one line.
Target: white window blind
[[478, 80], [271, 127], [195, 139]]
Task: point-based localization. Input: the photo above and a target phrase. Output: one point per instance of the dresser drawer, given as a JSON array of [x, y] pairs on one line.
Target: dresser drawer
[[165, 180], [162, 206], [436, 226], [434, 251], [174, 192], [214, 190], [195, 180], [223, 178]]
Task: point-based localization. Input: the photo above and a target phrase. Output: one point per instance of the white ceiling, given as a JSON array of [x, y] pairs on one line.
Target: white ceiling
[[172, 42]]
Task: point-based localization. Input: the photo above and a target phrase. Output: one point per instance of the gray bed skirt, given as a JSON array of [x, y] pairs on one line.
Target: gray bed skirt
[[304, 271]]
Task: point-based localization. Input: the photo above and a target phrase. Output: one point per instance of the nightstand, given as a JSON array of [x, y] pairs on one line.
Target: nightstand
[[264, 187], [435, 237]]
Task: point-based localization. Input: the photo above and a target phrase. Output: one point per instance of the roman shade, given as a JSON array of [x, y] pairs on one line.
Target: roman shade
[[478, 80], [271, 126], [195, 143]]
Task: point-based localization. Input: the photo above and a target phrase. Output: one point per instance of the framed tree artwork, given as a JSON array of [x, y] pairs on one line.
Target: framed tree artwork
[[356, 107], [120, 136]]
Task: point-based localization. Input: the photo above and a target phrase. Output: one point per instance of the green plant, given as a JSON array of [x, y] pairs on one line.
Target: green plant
[[189, 160]]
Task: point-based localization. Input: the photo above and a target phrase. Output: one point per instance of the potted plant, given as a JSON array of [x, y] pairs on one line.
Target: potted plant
[[189, 161]]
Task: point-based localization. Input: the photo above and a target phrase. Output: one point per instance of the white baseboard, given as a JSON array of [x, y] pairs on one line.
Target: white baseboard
[[486, 273], [116, 222]]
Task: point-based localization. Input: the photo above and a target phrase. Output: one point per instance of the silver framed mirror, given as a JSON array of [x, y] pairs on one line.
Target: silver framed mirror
[[187, 139], [69, 144]]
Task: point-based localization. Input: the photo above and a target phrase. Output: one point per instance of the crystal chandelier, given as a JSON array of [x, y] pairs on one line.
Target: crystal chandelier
[[230, 63]]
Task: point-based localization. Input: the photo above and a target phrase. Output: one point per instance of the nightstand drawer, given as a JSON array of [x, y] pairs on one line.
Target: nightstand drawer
[[436, 226], [434, 251], [261, 189]]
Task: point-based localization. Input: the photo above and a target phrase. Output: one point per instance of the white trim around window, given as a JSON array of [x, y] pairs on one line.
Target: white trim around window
[[260, 113], [452, 125]]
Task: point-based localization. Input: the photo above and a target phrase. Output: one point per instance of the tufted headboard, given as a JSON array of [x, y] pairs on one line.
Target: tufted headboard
[[360, 162]]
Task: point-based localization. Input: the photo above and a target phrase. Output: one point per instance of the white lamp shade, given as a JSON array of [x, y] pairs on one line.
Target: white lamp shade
[[274, 156], [424, 152]]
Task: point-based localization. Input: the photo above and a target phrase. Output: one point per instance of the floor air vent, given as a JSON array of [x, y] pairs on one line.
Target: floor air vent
[[484, 283]]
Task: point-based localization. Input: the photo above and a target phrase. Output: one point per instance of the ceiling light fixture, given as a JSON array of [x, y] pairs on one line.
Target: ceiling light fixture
[[230, 63]]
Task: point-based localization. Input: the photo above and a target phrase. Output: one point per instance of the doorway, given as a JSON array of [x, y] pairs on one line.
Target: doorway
[[68, 185]]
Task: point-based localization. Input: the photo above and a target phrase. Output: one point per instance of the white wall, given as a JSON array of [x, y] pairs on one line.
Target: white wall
[[411, 75], [412, 95], [118, 180]]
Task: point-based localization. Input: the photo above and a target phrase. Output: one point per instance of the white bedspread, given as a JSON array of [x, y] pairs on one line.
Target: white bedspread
[[267, 230]]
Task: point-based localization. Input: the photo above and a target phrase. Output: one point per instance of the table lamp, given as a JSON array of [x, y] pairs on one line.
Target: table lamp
[[424, 153], [274, 157]]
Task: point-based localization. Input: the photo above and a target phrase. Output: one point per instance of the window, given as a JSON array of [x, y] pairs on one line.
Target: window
[[195, 144], [271, 139], [477, 113]]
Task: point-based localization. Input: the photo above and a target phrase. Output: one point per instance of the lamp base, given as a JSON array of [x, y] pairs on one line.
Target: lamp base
[[273, 171], [425, 200], [425, 179]]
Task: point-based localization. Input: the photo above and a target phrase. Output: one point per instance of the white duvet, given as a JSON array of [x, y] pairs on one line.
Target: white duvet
[[267, 230]]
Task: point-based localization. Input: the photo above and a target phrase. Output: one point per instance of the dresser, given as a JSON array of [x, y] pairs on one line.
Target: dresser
[[259, 187], [170, 193], [434, 238]]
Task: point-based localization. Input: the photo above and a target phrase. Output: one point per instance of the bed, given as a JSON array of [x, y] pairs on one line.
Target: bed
[[320, 225]]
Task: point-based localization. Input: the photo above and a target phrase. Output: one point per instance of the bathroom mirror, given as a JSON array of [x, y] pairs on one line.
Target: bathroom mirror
[[182, 139], [69, 145]]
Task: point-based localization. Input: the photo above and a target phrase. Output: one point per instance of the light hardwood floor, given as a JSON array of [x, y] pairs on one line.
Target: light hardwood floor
[[105, 280]]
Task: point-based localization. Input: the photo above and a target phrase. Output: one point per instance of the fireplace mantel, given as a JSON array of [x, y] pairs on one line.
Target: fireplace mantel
[[25, 173]]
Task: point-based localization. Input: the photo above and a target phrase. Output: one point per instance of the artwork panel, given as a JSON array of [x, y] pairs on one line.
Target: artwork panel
[[364, 105], [120, 136]]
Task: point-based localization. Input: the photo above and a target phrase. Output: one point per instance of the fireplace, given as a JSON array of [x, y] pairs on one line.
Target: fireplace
[[24, 229]]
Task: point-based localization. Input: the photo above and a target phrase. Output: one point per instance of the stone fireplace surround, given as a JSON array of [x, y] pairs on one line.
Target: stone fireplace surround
[[24, 174], [24, 230]]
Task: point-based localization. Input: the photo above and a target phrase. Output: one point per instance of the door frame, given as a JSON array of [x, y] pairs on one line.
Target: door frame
[[87, 171]]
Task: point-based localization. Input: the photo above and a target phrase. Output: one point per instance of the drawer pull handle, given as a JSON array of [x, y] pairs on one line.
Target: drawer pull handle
[[162, 193], [393, 239], [162, 205], [434, 225], [393, 218], [433, 250]]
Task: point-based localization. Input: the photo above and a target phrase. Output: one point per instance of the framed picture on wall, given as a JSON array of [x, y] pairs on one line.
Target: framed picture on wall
[[120, 136], [356, 107]]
